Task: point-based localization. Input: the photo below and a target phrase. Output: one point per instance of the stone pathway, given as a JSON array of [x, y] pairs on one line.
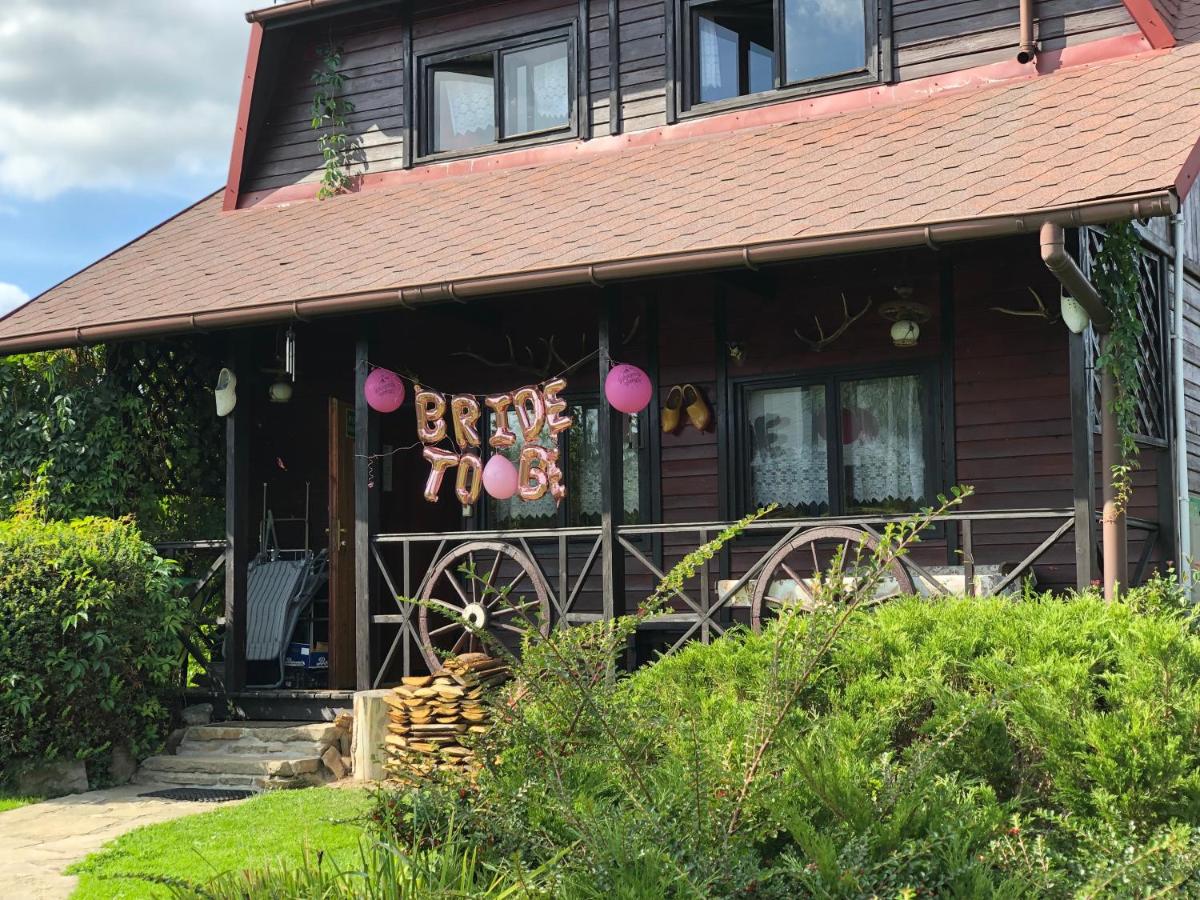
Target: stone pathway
[[38, 842]]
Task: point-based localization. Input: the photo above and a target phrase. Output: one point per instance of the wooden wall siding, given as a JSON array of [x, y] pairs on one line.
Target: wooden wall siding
[[1191, 237], [937, 36], [287, 152], [1191, 376], [643, 58]]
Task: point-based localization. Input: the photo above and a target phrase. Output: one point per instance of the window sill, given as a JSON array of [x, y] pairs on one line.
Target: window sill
[[558, 136], [837, 85]]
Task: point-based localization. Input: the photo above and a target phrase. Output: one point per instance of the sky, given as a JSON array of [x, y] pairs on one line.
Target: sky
[[114, 115]]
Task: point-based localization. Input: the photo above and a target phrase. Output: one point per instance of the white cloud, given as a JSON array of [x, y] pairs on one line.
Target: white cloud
[[124, 94], [11, 297]]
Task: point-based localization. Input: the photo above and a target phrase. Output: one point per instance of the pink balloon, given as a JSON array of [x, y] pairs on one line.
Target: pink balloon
[[500, 477], [628, 388], [384, 390]]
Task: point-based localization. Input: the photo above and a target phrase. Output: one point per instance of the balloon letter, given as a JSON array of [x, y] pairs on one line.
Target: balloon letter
[[439, 461], [556, 406], [465, 412], [531, 412], [554, 475], [534, 463], [502, 435], [431, 406], [470, 479]]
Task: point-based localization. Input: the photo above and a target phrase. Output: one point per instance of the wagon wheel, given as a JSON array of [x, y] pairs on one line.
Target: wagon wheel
[[507, 586], [786, 575]]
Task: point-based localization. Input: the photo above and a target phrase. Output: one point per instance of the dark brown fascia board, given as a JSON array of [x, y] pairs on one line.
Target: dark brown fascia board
[[305, 10], [1144, 206]]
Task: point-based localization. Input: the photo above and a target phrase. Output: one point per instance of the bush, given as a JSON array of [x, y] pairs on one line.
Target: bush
[[89, 619]]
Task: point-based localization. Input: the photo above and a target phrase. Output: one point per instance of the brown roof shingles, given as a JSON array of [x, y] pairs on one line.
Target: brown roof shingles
[[1107, 130]]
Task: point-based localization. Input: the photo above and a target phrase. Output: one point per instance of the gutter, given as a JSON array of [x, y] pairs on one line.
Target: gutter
[[1112, 517], [1179, 397], [1027, 51], [297, 9], [1161, 203]]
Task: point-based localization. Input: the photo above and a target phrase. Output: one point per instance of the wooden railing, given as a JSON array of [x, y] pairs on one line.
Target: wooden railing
[[199, 595], [568, 562]]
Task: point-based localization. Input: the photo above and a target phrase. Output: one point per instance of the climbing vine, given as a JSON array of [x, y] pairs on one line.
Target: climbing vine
[[1115, 275], [329, 111]]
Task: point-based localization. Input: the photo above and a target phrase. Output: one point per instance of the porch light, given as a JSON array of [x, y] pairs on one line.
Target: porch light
[[906, 318], [280, 392]]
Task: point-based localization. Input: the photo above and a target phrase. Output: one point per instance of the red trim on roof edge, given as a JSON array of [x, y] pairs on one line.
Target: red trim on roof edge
[[778, 113], [1153, 26], [233, 183]]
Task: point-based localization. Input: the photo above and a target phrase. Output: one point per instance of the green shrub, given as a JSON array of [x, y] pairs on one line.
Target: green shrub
[[89, 618]]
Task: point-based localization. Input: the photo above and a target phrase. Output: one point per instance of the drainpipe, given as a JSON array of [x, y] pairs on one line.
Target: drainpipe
[[1027, 52], [1183, 512], [1059, 262]]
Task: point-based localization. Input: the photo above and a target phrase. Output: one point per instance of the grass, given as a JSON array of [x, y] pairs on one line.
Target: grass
[[13, 801], [266, 828]]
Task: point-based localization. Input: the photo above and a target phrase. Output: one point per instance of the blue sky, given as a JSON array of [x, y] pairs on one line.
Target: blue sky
[[114, 115]]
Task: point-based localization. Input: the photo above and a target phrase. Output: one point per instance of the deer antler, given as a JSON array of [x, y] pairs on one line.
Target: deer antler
[[542, 368], [824, 340], [1040, 313]]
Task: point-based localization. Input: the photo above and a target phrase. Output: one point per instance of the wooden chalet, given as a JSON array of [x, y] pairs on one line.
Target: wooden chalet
[[846, 227]]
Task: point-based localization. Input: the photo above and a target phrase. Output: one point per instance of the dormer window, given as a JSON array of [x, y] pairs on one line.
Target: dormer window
[[517, 91], [732, 49]]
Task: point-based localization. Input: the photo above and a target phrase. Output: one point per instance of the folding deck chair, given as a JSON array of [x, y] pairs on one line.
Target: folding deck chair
[[280, 586]]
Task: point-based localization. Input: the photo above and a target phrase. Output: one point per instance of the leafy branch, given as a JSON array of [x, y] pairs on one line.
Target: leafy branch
[[329, 111], [1115, 274]]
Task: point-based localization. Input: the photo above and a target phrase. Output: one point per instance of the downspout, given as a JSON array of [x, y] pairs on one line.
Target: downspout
[[1027, 51], [1059, 262], [1183, 512]]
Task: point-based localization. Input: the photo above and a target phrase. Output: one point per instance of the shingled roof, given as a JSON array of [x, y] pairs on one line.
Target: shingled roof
[[1121, 129]]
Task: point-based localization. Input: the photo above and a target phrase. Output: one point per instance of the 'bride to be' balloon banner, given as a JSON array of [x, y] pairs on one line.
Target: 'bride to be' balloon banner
[[537, 409]]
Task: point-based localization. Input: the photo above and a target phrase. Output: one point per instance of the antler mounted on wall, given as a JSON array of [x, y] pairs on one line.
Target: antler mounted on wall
[[1042, 311], [823, 340], [544, 362]]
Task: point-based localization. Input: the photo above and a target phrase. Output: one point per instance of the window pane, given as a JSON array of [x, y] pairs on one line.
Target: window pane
[[883, 444], [789, 457], [824, 37], [735, 49], [583, 468], [537, 93], [515, 512], [464, 104]]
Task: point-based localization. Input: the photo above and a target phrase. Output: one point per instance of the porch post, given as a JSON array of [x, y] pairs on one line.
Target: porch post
[[1083, 462], [366, 514], [237, 514], [1116, 549], [612, 480]]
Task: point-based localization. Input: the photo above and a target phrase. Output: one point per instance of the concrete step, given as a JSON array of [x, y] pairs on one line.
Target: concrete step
[[233, 764]]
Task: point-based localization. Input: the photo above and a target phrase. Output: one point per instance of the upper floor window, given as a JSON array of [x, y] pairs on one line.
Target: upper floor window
[[737, 48], [516, 90]]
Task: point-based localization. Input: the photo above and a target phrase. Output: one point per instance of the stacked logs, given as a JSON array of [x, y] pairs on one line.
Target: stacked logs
[[429, 715]]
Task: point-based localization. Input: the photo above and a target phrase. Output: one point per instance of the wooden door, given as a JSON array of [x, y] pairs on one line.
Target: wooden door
[[342, 669]]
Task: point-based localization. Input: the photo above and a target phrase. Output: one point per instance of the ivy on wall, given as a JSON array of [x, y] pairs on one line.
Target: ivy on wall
[[329, 111], [1115, 275]]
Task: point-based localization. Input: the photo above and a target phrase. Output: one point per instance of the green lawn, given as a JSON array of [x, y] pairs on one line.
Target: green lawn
[[194, 848], [9, 801]]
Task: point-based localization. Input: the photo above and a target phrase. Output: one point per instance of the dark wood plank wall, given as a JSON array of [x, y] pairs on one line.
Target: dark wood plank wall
[[937, 36], [931, 37]]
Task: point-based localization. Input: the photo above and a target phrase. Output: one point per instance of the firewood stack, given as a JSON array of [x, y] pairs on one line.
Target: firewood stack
[[430, 714]]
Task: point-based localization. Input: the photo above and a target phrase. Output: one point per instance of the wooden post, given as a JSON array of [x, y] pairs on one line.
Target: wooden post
[[1083, 462], [366, 514], [237, 513], [612, 481]]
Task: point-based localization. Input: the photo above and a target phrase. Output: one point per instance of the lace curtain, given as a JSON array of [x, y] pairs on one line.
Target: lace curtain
[[465, 109], [536, 89], [884, 448], [788, 453]]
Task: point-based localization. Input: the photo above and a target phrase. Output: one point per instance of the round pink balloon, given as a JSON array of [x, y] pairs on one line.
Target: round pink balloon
[[384, 390], [628, 388], [500, 477]]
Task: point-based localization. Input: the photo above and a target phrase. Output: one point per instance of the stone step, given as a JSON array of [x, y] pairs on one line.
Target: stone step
[[193, 779], [265, 732], [250, 747], [232, 764]]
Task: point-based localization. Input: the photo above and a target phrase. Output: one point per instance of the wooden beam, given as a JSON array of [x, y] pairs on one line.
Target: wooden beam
[[237, 512], [1083, 462], [1151, 23], [614, 67], [366, 513], [611, 469]]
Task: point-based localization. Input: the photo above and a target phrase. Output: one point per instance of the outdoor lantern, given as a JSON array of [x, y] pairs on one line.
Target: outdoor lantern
[[280, 392], [1074, 316], [906, 318]]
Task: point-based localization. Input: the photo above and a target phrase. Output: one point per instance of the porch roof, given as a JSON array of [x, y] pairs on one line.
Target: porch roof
[[967, 163]]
